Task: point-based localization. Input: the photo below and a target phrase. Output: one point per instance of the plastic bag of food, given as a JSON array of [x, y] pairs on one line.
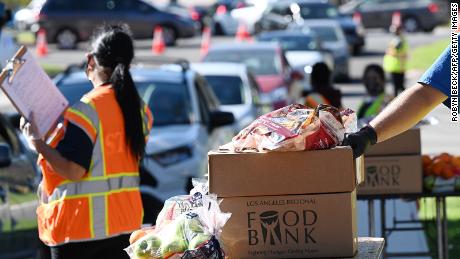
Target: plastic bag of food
[[294, 127], [187, 227]]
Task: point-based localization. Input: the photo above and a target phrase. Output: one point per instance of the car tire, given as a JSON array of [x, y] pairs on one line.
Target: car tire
[[152, 206], [411, 24], [169, 35], [66, 39]]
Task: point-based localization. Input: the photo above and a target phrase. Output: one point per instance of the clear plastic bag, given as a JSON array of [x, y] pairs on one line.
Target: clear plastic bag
[[187, 227], [295, 127]]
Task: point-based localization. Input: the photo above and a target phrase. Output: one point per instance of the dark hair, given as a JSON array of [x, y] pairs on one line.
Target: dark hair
[[320, 75], [376, 68], [113, 49]]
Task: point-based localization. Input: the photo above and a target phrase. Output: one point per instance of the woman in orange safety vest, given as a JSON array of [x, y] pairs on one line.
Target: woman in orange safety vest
[[89, 195]]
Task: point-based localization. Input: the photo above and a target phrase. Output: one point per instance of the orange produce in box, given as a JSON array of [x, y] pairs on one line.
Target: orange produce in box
[[456, 162], [448, 172], [444, 157], [437, 166]]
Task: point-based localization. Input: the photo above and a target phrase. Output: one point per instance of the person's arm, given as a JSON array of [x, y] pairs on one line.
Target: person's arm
[[406, 110], [62, 166]]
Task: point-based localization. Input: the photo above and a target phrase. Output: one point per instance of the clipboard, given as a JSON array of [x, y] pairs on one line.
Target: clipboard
[[30, 89]]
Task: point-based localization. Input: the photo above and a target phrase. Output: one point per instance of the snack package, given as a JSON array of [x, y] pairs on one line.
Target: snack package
[[187, 227], [295, 127]]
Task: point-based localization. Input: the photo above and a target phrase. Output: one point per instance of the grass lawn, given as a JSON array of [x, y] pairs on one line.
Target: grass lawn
[[427, 213], [422, 57], [53, 70]]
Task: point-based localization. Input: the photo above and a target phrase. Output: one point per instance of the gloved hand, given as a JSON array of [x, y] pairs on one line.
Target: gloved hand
[[361, 140]]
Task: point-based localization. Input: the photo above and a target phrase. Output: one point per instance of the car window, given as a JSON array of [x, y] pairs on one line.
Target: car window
[[282, 10], [318, 11], [261, 62], [292, 43], [325, 33], [170, 103], [228, 89], [74, 91], [203, 104]]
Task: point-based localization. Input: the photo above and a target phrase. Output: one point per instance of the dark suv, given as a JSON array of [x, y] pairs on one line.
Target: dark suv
[[280, 14], [68, 22]]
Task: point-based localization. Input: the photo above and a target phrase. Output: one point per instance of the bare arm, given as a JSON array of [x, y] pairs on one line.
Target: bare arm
[[406, 110], [62, 166]]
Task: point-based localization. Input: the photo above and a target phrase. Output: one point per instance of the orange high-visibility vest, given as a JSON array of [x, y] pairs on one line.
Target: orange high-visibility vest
[[315, 99], [106, 202]]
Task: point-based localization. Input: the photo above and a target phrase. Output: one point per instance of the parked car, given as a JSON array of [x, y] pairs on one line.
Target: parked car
[[332, 39], [223, 21], [187, 124], [415, 15], [18, 184], [302, 49], [280, 14], [279, 83], [68, 22], [236, 89]]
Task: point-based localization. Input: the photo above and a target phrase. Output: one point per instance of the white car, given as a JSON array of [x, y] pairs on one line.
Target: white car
[[187, 123], [333, 39], [302, 50], [236, 89]]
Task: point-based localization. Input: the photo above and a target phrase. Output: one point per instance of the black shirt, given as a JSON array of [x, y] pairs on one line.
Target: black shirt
[[76, 146]]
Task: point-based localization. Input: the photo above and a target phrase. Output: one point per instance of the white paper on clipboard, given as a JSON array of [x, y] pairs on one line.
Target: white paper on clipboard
[[31, 90]]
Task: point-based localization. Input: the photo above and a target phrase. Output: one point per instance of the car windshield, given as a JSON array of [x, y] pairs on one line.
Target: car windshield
[[291, 43], [169, 102], [228, 89], [325, 33], [318, 12], [260, 62]]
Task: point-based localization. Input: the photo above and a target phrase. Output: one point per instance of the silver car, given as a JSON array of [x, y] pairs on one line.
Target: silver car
[[236, 89]]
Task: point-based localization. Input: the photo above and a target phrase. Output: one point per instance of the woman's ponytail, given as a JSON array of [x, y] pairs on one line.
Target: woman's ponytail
[[114, 50], [129, 101]]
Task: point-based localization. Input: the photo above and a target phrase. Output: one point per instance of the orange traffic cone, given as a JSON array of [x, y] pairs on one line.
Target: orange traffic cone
[[41, 43], [158, 43], [396, 19], [205, 41], [357, 18], [242, 34]]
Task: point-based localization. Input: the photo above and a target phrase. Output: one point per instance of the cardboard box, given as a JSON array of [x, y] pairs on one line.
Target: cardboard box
[[392, 175], [281, 173], [291, 226], [406, 143]]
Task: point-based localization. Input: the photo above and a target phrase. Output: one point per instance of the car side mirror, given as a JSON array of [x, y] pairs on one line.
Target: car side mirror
[[220, 118], [5, 155]]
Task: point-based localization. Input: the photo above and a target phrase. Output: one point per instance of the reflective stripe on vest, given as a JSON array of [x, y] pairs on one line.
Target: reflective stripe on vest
[[375, 107], [315, 99], [94, 186]]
